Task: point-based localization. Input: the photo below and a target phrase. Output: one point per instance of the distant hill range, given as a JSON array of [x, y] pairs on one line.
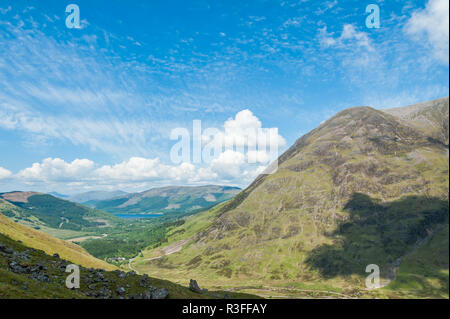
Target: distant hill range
[[95, 196], [51, 245], [165, 200], [39, 210]]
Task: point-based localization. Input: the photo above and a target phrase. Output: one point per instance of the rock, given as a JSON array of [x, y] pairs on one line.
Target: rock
[[120, 290], [38, 268], [147, 294], [41, 277], [143, 283], [162, 293], [6, 250], [18, 269], [105, 292], [193, 286], [99, 277], [25, 256]]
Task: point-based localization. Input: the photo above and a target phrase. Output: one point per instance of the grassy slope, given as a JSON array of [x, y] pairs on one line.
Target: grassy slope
[[49, 211], [430, 117], [49, 244], [270, 236], [424, 273], [14, 285], [27, 219]]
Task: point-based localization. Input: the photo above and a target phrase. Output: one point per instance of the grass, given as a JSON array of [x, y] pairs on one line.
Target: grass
[[269, 236], [425, 272], [13, 286], [51, 245]]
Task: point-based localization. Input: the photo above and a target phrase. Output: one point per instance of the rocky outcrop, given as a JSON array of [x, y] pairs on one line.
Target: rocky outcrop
[[94, 283]]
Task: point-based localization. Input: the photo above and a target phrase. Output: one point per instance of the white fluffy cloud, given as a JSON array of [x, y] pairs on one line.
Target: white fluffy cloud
[[432, 24], [228, 164], [245, 133], [136, 168], [240, 159], [54, 169], [4, 173], [145, 169], [132, 174]]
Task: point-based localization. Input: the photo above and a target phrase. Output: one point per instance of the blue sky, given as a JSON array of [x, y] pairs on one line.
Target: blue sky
[[93, 108]]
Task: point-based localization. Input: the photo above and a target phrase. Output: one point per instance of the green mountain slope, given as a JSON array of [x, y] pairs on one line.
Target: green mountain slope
[[365, 187], [51, 245], [431, 118], [424, 272], [29, 273], [167, 200], [42, 210]]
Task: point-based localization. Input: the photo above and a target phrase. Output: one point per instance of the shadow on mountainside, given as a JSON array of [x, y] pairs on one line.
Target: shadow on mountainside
[[378, 233]]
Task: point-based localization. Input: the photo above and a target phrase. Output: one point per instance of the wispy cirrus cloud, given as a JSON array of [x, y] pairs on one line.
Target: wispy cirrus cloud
[[112, 91], [431, 25]]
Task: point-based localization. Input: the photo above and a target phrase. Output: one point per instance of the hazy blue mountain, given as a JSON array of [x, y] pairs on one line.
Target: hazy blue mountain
[[172, 199], [95, 196]]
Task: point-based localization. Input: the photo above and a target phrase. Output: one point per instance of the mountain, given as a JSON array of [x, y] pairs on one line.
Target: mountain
[[431, 118], [43, 210], [56, 194], [365, 187], [95, 196], [33, 264], [167, 200], [50, 245]]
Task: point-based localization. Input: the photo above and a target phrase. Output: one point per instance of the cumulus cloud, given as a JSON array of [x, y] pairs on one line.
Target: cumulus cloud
[[136, 173], [245, 148], [4, 173], [431, 25], [245, 133], [145, 169], [56, 169], [228, 164]]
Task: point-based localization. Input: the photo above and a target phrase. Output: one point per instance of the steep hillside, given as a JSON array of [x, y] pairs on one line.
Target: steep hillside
[[51, 245], [29, 273], [424, 272], [38, 210], [365, 187], [167, 200], [431, 118]]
